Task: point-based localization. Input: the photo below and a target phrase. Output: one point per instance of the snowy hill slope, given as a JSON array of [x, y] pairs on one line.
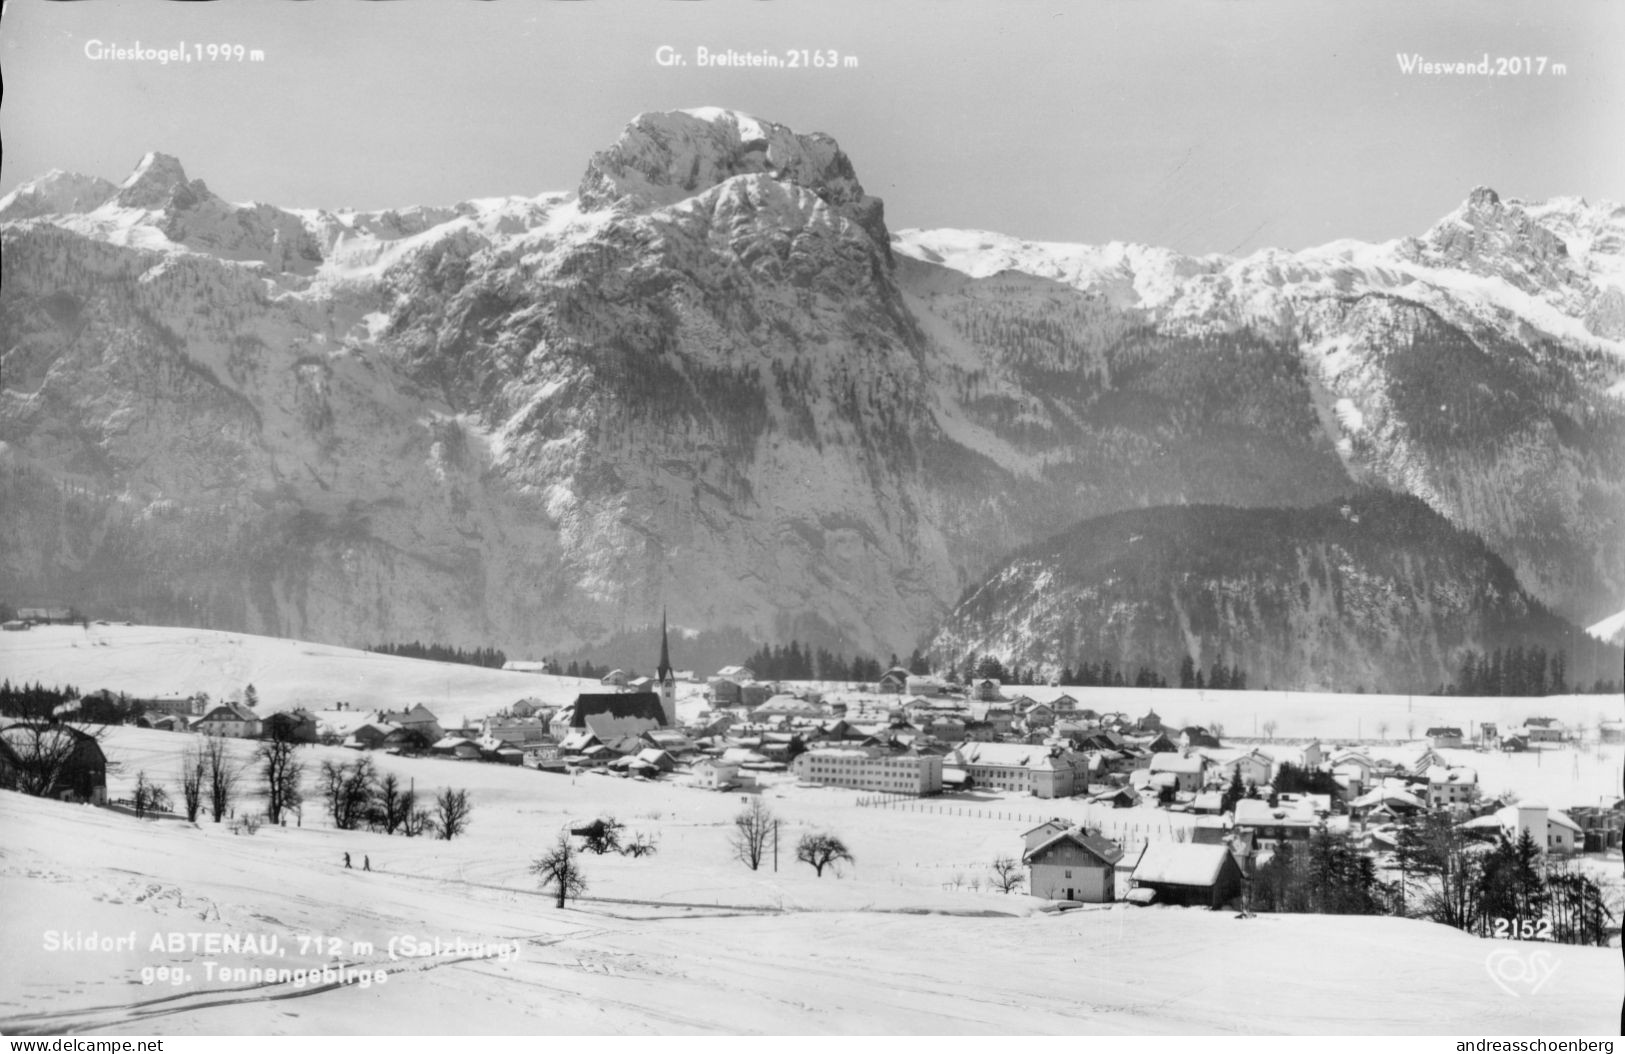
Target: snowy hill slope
[[690, 942], [158, 661]]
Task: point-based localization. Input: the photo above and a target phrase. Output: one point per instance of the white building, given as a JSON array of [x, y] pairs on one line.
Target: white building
[[871, 770]]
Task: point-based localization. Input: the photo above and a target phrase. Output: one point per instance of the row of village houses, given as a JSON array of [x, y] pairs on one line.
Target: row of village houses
[[1056, 749]]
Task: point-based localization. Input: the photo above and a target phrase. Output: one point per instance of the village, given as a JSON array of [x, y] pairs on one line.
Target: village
[[1156, 813], [969, 814]]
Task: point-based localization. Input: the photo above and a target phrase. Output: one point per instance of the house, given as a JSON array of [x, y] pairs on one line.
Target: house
[[1124, 797], [714, 774], [230, 719], [293, 726], [893, 681], [1073, 864], [1208, 803], [1543, 730], [419, 719], [456, 747], [1552, 829], [987, 690], [369, 736], [185, 705], [1187, 769], [740, 674], [521, 731], [1451, 786], [723, 692], [46, 616], [163, 722], [1270, 825], [53, 761], [400, 740], [1187, 873], [923, 685], [998, 718], [1515, 744], [1443, 736], [871, 769], [1197, 736], [1256, 769], [610, 714], [1037, 716], [1600, 827], [1611, 730], [1386, 801], [15, 625], [786, 706], [614, 679]]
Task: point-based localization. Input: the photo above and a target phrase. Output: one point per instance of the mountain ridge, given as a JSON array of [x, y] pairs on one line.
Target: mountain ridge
[[710, 375]]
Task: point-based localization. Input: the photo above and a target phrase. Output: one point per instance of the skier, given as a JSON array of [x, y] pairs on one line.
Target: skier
[[366, 863], [346, 859]]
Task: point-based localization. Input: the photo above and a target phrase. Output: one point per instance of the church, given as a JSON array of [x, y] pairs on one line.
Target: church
[[609, 715]]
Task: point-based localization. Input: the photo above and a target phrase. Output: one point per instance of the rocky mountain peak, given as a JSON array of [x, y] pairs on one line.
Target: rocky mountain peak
[[158, 182], [1490, 236], [663, 158], [55, 193]]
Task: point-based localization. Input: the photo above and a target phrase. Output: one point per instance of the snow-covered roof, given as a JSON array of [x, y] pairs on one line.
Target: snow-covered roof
[[1181, 863], [1092, 843], [1176, 763], [1256, 813], [1442, 774]]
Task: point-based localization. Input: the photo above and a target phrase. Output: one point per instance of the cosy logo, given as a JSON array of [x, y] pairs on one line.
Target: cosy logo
[[1521, 973]]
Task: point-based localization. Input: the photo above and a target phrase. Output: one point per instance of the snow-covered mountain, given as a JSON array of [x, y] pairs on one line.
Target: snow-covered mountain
[[709, 378]]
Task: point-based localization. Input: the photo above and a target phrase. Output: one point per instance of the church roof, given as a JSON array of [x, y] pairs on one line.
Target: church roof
[[615, 704]]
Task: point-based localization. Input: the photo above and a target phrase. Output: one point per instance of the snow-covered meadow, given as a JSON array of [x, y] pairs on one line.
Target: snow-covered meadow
[[689, 940]]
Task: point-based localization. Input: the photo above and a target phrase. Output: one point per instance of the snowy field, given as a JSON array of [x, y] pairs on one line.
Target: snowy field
[[688, 941]]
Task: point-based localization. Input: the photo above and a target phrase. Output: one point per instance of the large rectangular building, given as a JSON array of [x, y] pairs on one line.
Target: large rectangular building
[[872, 770]]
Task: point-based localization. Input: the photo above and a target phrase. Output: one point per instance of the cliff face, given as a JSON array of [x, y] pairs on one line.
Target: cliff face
[[711, 379]]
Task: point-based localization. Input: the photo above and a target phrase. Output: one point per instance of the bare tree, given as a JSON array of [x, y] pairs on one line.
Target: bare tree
[[394, 804], [193, 768], [603, 836], [220, 776], [822, 850], [451, 813], [149, 796], [1269, 728], [418, 820], [1382, 730], [559, 869], [347, 790], [1007, 874], [640, 846], [752, 828], [1217, 728], [282, 773]]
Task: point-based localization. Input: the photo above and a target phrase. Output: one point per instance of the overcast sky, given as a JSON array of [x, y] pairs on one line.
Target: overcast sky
[[1207, 127]]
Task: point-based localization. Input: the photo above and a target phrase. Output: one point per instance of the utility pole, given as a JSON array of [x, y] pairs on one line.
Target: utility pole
[[775, 847]]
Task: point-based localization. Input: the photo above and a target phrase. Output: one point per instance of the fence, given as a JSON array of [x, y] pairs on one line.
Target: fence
[[1130, 833]]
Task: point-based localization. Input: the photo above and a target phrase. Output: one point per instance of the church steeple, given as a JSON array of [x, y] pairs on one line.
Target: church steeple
[[666, 678], [663, 672]]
